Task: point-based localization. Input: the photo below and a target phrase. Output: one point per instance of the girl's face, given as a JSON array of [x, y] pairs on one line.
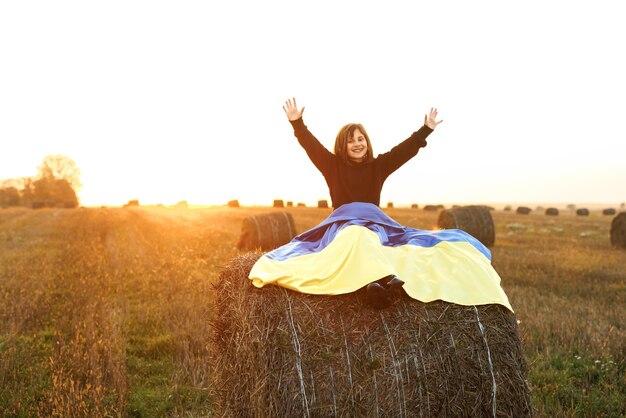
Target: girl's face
[[356, 148]]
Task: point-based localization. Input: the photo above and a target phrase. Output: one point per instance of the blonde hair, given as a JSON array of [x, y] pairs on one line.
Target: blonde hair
[[341, 143]]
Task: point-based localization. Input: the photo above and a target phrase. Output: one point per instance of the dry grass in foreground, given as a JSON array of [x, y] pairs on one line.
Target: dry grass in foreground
[[105, 312]]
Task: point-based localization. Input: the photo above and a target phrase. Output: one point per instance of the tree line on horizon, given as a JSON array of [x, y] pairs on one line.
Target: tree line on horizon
[[56, 183]]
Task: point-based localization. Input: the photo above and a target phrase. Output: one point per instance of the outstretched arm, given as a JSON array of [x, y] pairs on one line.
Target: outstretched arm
[[407, 149], [429, 120], [291, 110], [320, 156]]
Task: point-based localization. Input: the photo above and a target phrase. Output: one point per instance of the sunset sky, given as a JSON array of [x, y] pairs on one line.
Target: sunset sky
[[169, 101]]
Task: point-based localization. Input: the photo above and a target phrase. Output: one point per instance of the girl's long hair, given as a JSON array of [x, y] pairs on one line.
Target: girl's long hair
[[341, 143]]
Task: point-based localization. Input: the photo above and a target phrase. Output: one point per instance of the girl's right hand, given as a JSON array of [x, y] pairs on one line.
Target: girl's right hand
[[291, 110]]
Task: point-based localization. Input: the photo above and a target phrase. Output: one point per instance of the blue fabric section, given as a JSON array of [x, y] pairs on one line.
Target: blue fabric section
[[370, 216]]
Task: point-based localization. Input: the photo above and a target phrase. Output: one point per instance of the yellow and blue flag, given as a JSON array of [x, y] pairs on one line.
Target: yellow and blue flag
[[359, 244]]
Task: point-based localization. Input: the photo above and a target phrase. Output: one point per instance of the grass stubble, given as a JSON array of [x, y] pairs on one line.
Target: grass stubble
[[106, 311]]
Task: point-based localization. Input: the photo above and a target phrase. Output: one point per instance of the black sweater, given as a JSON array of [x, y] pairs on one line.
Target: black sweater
[[361, 182]]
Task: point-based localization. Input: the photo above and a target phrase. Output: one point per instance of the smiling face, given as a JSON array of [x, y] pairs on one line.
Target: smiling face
[[356, 146], [353, 145]]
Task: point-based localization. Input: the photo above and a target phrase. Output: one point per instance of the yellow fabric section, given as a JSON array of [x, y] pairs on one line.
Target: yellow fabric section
[[451, 271]]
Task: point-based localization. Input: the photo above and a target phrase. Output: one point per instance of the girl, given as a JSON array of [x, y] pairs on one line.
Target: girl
[[358, 245]]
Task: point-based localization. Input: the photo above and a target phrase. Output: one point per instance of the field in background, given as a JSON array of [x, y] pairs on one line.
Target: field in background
[[106, 311]]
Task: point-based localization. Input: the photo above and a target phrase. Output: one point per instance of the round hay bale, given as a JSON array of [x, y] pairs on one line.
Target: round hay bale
[[278, 203], [609, 211], [233, 203], [322, 203], [552, 212], [289, 204], [414, 206], [475, 220], [582, 212], [182, 205], [431, 208], [523, 210], [618, 231], [279, 353], [301, 205], [507, 208], [266, 231], [390, 205]]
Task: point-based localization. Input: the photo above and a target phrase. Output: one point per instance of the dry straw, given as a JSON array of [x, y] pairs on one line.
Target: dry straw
[[266, 231], [552, 212], [475, 220], [582, 212], [279, 353], [618, 231]]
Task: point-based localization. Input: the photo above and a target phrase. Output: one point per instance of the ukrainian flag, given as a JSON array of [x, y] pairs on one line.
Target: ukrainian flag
[[359, 244]]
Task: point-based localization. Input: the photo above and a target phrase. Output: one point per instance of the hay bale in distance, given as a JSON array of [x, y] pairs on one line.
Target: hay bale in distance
[[523, 210], [609, 211], [618, 231], [552, 212], [390, 205], [475, 220], [301, 205], [233, 203], [582, 212], [289, 204], [431, 208], [182, 205], [279, 353], [507, 208], [266, 231], [323, 203], [414, 206], [278, 203]]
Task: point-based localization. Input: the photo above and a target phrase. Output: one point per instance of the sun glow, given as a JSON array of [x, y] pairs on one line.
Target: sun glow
[[191, 109]]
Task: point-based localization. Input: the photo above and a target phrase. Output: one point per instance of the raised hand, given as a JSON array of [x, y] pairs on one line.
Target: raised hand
[[291, 110], [430, 119]]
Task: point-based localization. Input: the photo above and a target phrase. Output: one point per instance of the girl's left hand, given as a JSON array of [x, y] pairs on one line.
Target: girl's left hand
[[430, 119]]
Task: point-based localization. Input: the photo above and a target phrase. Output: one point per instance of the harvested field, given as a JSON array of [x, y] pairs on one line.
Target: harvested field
[[108, 311]]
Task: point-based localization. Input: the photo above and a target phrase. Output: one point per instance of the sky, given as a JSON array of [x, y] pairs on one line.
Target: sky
[[169, 101]]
